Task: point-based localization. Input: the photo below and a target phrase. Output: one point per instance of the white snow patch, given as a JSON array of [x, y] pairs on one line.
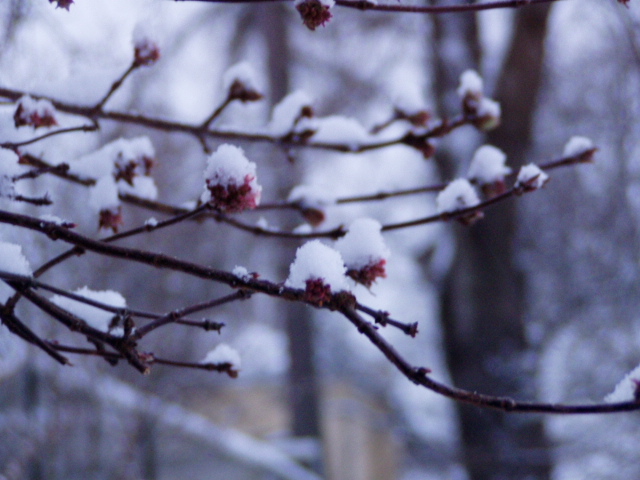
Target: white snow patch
[[228, 165], [95, 317], [223, 353], [47, 217], [151, 222], [241, 272], [287, 111], [315, 260], [363, 244], [528, 172], [458, 195], [104, 194], [303, 229], [311, 196], [577, 145], [471, 83], [489, 108], [242, 72], [143, 187], [328, 3], [626, 388], [339, 129], [488, 165]]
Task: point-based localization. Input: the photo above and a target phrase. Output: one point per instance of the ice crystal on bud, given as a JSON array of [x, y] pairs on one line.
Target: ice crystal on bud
[[319, 270], [240, 83], [35, 113], [364, 251], [231, 184], [530, 177], [577, 146], [314, 13]]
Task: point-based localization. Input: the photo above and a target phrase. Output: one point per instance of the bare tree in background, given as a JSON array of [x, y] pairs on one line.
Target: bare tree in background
[[483, 296]]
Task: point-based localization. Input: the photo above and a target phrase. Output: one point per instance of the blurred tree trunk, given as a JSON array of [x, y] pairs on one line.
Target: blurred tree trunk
[[303, 389], [483, 298]]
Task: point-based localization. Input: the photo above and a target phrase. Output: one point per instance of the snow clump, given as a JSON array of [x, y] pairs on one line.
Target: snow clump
[[231, 184], [627, 390], [241, 272], [240, 83], [290, 111], [488, 165], [319, 270], [458, 195], [364, 252], [223, 354], [95, 317], [471, 83], [577, 146], [530, 177], [484, 112]]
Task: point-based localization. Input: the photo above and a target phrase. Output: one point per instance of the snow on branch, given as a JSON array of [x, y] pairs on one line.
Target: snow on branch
[[320, 275]]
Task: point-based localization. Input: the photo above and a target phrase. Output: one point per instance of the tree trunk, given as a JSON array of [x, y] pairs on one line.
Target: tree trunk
[[483, 300]]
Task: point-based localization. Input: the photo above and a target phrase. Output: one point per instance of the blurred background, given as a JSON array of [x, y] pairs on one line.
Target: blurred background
[[539, 300]]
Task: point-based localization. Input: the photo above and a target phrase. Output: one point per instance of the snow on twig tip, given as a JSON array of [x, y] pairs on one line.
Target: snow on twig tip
[[471, 83], [577, 145], [530, 177], [628, 389], [319, 270], [488, 165], [230, 178], [223, 354], [364, 251], [240, 83]]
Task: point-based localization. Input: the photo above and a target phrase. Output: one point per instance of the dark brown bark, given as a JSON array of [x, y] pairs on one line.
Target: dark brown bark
[[483, 301]]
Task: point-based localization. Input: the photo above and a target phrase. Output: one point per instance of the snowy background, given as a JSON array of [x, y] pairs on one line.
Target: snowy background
[[578, 240]]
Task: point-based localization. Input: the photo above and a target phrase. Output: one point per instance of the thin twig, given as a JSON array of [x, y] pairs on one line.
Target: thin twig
[[61, 131], [419, 376]]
